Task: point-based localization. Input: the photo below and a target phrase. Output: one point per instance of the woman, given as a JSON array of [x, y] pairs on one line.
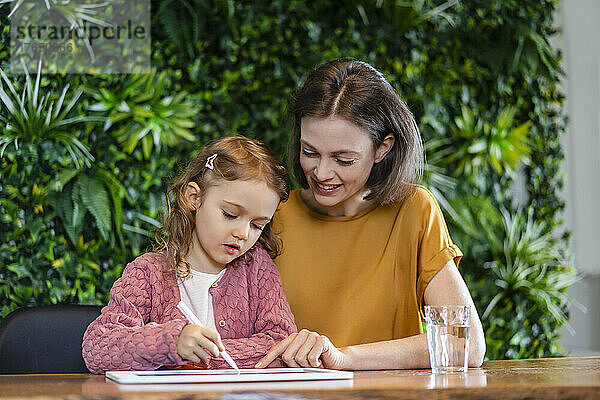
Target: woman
[[364, 246]]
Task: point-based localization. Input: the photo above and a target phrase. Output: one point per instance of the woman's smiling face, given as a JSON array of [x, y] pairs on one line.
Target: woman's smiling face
[[337, 157]]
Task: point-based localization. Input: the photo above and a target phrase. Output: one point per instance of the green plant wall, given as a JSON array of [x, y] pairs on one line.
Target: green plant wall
[[78, 202]]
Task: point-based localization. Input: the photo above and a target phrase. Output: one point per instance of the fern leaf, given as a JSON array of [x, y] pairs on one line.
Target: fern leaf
[[64, 177], [94, 197], [116, 191], [62, 205], [78, 214]]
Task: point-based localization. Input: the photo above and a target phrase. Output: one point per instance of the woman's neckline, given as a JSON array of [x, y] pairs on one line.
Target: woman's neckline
[[327, 217]]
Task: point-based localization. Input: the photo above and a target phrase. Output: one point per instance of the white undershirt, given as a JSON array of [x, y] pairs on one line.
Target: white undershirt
[[194, 293]]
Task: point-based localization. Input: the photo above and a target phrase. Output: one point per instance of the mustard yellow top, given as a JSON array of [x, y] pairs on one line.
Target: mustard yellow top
[[361, 279]]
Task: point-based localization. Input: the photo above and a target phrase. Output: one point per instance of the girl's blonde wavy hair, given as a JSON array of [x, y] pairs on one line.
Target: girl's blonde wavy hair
[[237, 158]]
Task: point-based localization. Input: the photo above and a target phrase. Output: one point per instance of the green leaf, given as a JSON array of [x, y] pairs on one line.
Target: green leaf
[[20, 270], [64, 177], [95, 198], [117, 191]]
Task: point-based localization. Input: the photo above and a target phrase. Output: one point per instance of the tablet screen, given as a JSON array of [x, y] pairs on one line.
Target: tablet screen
[[227, 375]]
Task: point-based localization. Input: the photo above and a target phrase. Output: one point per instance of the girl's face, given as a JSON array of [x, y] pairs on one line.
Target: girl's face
[[229, 220], [337, 157]]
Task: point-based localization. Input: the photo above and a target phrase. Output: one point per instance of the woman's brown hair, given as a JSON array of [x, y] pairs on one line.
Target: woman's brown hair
[[237, 158], [357, 92]]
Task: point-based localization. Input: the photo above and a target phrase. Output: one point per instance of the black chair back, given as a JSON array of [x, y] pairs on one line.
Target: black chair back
[[45, 339]]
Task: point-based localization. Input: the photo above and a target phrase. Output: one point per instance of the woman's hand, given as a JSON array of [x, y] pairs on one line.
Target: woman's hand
[[305, 349], [197, 343]]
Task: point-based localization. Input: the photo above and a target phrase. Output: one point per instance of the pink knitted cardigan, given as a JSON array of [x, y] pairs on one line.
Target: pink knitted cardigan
[[140, 326]]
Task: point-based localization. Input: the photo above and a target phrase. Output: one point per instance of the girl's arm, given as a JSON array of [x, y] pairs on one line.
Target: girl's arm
[[309, 349], [121, 338], [270, 310]]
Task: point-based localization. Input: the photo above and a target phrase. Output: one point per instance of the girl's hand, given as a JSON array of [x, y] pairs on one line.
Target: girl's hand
[[305, 349], [197, 343]]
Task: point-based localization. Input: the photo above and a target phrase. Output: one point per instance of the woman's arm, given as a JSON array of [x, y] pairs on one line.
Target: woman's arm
[[309, 349], [448, 288]]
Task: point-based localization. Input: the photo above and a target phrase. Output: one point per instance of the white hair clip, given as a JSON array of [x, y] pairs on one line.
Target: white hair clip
[[210, 161]]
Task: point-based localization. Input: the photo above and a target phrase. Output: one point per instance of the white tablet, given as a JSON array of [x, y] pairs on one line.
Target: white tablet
[[227, 375], [334, 384]]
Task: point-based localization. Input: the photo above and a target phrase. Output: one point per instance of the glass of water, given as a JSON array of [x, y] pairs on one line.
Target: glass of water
[[448, 337]]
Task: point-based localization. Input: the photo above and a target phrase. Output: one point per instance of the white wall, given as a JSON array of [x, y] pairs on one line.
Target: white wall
[[580, 41]]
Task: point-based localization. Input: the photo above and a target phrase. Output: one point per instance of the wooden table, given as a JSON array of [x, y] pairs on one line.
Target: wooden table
[[558, 378]]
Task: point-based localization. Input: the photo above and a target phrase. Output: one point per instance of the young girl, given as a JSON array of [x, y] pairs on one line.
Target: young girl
[[214, 254]]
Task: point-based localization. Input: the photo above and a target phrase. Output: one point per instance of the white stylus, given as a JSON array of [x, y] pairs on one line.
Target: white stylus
[[194, 320]]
